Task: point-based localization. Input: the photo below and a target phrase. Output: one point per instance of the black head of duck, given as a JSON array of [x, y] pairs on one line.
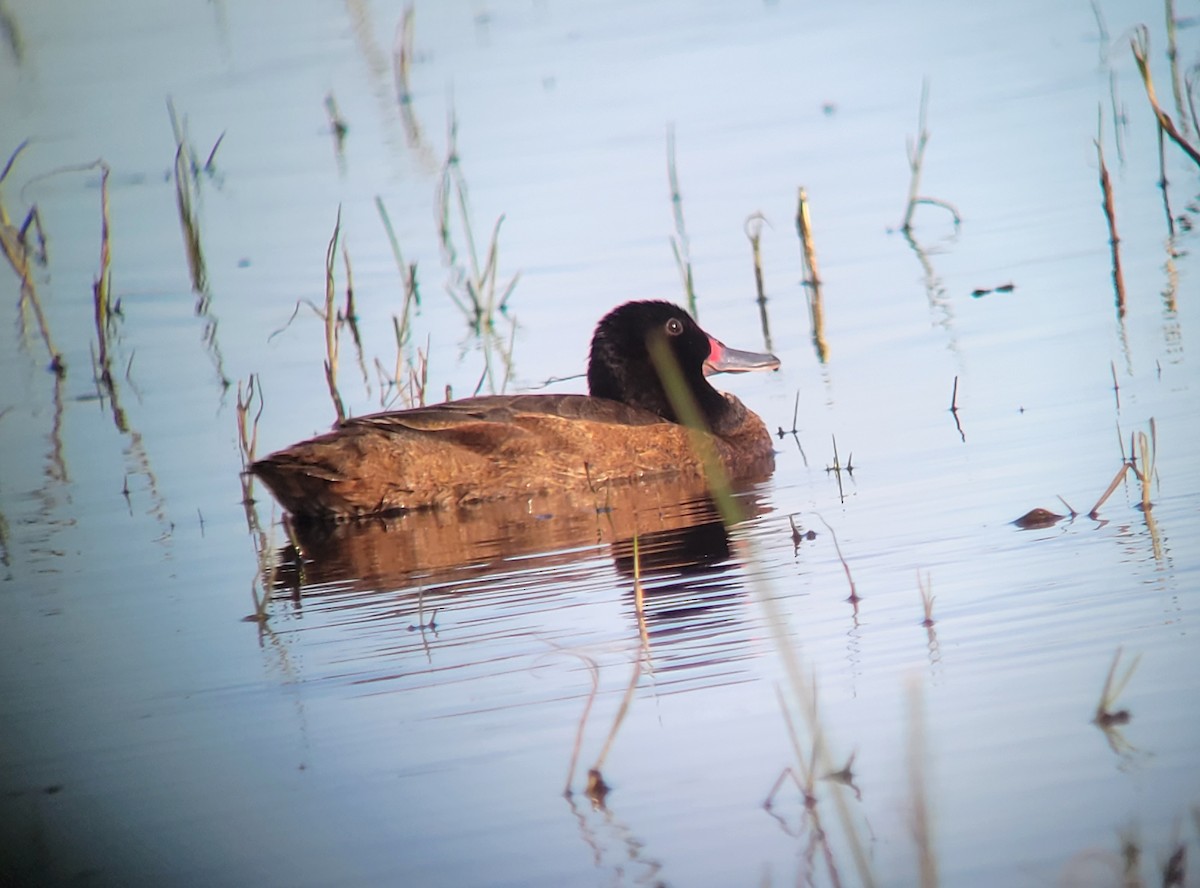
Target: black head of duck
[[623, 368]]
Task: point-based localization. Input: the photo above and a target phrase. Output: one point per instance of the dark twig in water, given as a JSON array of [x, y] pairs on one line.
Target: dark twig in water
[[799, 536], [954, 411], [837, 468], [794, 431], [337, 126]]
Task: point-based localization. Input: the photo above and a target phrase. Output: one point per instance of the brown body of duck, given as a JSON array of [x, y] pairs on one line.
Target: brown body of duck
[[505, 446]]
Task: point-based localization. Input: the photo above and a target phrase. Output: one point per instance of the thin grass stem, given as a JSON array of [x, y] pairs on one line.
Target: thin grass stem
[[331, 325]]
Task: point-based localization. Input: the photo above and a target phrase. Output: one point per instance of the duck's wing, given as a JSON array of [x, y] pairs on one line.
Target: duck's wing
[[490, 415], [477, 448]]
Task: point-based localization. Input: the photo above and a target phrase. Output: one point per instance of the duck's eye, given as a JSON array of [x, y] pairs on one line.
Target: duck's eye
[[674, 327]]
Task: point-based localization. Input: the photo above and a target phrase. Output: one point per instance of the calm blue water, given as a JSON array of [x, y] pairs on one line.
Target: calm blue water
[[408, 710]]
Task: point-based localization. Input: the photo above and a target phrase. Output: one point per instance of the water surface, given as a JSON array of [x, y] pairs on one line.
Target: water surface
[[404, 705]]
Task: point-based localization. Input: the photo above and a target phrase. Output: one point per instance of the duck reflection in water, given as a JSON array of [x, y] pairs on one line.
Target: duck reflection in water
[[431, 560]]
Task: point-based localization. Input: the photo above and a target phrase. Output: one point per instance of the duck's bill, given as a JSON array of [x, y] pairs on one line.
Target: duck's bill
[[723, 359]]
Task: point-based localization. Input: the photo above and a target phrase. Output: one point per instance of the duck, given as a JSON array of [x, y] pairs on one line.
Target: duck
[[493, 447]]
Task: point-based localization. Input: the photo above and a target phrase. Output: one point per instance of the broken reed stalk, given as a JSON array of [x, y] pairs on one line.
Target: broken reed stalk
[[101, 286], [351, 313], [842, 558], [16, 250], [594, 672], [594, 778], [1140, 43], [812, 278], [639, 597], [1110, 215], [916, 164], [418, 378], [808, 251], [1102, 27], [265, 575], [1173, 62], [331, 326], [404, 49], [1163, 184], [916, 158], [753, 229], [189, 222], [1189, 80], [1146, 449], [680, 245], [1116, 481], [402, 55], [187, 191], [247, 427]]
